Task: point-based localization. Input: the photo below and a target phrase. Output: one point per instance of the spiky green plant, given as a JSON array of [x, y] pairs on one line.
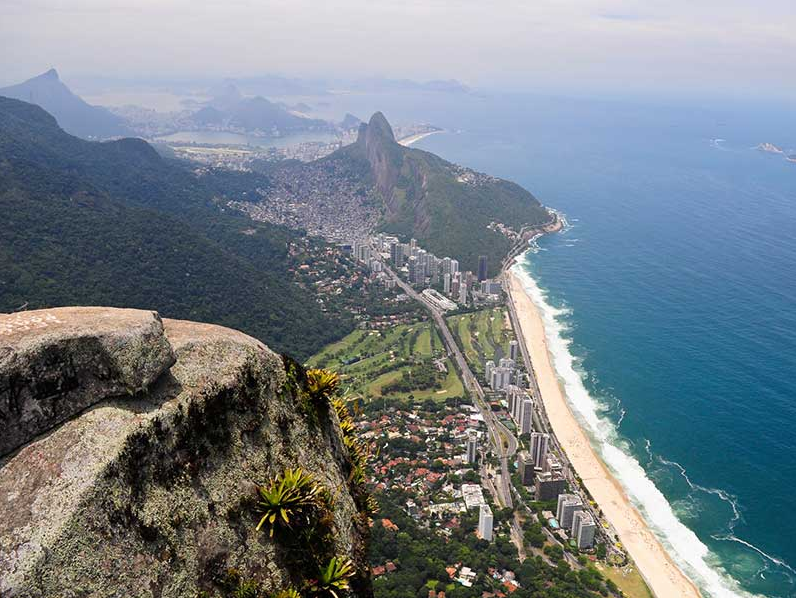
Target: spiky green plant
[[332, 579], [247, 588], [322, 385], [286, 593], [289, 499]]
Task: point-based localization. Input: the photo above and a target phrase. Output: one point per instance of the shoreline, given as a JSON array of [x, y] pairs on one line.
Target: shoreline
[[663, 577], [407, 141]]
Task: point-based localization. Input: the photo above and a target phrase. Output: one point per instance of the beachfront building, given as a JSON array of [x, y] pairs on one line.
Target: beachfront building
[[507, 363], [499, 378], [485, 523], [540, 443], [568, 504], [514, 350], [526, 415], [549, 485], [583, 529]]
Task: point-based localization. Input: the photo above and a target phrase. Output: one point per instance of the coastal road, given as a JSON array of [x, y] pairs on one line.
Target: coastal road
[[503, 440], [605, 530]]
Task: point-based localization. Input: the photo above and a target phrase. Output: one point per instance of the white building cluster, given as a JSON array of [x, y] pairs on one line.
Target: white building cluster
[[573, 517], [423, 269]]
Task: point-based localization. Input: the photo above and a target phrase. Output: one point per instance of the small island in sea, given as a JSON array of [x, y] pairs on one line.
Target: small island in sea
[[770, 148]]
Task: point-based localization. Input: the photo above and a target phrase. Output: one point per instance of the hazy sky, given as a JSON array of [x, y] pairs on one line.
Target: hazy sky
[[736, 46]]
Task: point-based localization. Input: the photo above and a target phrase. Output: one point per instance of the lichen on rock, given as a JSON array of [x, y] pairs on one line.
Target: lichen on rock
[[151, 493]]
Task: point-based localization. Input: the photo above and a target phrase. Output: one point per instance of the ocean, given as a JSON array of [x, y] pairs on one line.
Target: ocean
[[670, 303]]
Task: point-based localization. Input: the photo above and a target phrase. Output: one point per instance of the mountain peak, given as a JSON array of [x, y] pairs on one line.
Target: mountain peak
[[379, 126], [73, 114], [51, 75]]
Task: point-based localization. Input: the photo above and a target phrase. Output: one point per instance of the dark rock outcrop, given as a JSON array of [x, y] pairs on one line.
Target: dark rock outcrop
[[55, 363], [384, 155], [151, 494]]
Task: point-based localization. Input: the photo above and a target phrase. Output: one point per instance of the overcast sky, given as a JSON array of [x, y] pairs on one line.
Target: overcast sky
[[691, 46]]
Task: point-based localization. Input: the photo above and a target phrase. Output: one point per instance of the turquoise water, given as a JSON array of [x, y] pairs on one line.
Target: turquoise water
[[672, 298]]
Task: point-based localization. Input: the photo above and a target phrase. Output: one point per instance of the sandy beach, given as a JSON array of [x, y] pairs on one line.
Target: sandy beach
[[656, 566], [407, 141]]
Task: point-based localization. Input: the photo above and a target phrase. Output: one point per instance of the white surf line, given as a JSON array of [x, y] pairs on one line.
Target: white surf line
[[681, 542]]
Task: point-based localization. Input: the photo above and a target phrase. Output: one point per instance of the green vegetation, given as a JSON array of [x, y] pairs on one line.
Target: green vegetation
[[404, 361], [421, 556], [291, 499], [115, 224], [322, 385], [627, 579], [332, 579], [445, 207], [482, 335]]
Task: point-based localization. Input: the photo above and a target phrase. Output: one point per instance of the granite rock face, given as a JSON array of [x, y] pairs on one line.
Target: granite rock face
[[146, 494], [55, 363]]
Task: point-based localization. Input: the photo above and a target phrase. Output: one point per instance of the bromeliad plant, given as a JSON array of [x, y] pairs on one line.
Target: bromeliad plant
[[333, 579], [359, 454], [290, 499], [322, 385]]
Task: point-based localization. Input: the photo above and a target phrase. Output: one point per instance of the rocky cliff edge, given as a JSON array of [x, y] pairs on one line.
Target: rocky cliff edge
[[132, 448]]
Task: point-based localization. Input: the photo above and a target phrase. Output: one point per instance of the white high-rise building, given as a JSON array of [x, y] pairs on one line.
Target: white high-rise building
[[540, 444], [454, 266], [568, 504], [472, 446], [485, 523], [488, 367], [446, 283], [526, 415], [583, 529], [514, 350], [463, 293], [507, 363], [516, 410], [513, 392], [499, 378]]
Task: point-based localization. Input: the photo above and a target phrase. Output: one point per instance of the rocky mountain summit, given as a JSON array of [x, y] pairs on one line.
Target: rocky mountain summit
[[73, 114], [132, 453]]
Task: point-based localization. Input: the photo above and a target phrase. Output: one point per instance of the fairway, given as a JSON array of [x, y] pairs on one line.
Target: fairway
[[373, 364], [483, 335]]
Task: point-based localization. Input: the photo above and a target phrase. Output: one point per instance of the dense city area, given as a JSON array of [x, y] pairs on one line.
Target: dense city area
[[436, 469]]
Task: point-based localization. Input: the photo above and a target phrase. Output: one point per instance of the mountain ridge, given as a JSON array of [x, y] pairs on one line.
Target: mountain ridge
[[73, 114], [445, 206], [139, 231]]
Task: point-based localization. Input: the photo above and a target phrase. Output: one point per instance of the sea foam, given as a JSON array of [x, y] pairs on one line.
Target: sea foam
[[683, 545]]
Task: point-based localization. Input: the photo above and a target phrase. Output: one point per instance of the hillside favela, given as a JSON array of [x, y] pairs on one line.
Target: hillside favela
[[397, 300]]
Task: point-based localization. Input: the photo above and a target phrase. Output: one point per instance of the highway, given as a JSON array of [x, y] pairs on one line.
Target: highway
[[503, 440], [498, 432]]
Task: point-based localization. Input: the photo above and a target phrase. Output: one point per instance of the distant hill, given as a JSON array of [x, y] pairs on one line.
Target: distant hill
[[260, 114], [229, 108], [73, 114], [115, 224], [444, 206], [350, 122]]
